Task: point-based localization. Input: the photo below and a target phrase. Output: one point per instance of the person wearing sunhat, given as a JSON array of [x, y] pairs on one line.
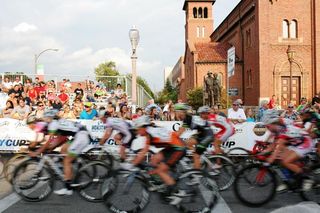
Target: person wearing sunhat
[[236, 114], [88, 112]]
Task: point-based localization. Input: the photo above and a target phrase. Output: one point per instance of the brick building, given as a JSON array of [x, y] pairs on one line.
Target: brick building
[[261, 31]]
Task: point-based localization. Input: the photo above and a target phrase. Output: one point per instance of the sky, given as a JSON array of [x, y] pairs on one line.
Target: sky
[[90, 32]]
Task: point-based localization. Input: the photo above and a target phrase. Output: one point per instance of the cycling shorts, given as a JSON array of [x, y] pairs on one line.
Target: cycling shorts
[[303, 148], [80, 142], [173, 155]]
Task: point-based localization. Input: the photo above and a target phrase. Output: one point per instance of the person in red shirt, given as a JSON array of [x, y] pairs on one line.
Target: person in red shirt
[[272, 102], [63, 97], [32, 93]]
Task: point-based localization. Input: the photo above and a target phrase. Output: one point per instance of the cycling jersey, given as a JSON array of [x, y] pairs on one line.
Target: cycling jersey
[[64, 127], [162, 137], [205, 133], [225, 125], [41, 127], [315, 120], [124, 129]]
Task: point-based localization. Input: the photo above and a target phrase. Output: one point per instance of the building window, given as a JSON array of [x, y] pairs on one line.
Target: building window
[[195, 12], [285, 28], [205, 11], [249, 75], [248, 38], [200, 12], [294, 29], [203, 31], [198, 32]]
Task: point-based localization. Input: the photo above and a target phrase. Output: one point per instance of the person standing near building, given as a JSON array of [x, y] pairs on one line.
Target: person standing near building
[[264, 107], [272, 102], [236, 114]]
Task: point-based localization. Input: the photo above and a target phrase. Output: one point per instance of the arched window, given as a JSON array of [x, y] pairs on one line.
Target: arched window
[[205, 12], [195, 12], [285, 28], [200, 12], [294, 29], [198, 32]]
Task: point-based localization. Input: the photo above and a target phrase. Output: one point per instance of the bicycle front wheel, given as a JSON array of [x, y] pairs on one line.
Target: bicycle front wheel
[[32, 183], [312, 192], [125, 191], [194, 195], [89, 180], [220, 171], [255, 185]]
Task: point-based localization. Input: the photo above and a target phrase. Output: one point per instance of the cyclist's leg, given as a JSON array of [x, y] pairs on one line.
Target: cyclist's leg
[[278, 148], [289, 160]]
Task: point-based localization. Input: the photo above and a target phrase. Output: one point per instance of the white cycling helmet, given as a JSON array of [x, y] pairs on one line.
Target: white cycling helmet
[[204, 109], [270, 116], [141, 121]]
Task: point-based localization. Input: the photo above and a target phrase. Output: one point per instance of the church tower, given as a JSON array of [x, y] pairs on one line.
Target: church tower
[[199, 21]]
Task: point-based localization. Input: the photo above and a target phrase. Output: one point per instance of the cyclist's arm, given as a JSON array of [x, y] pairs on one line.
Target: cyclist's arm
[[142, 154], [106, 135]]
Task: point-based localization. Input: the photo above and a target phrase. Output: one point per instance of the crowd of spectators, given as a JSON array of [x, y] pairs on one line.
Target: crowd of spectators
[[84, 100]]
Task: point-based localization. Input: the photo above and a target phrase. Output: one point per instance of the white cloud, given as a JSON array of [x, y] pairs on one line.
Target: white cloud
[[24, 27]]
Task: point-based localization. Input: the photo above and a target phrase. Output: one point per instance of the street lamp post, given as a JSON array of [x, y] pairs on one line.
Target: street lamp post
[[134, 39], [290, 54], [36, 58]]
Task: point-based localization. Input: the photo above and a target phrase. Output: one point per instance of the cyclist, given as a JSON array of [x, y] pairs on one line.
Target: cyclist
[[125, 134], [291, 142], [174, 150], [226, 130], [204, 136]]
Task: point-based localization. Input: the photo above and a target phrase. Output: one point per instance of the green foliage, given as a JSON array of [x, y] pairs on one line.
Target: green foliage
[[107, 69], [224, 99], [195, 97], [168, 93]]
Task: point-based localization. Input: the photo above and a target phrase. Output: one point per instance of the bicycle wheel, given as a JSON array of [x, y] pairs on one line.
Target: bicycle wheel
[[196, 197], [312, 192], [12, 164], [220, 171], [99, 154], [125, 191], [89, 179], [255, 185], [32, 183]]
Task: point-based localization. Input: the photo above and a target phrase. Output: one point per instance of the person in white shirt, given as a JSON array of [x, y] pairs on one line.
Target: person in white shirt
[[7, 84], [236, 114]]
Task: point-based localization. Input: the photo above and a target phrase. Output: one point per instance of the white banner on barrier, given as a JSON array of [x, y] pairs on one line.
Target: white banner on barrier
[[14, 134]]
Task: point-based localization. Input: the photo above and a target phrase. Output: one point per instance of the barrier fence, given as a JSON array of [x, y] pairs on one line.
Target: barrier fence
[[245, 136]]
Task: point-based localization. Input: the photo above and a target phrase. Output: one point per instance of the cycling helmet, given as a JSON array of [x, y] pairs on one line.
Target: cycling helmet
[[204, 109], [31, 119], [270, 117], [142, 121], [50, 113], [181, 107]]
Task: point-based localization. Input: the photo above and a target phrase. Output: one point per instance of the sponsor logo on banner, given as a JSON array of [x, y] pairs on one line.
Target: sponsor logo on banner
[[259, 129], [12, 142]]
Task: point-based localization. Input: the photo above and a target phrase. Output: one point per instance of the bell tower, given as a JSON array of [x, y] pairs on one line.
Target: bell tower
[[199, 20]]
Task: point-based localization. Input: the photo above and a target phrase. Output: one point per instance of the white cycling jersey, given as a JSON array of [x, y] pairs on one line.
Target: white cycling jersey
[[122, 126], [161, 133], [63, 125]]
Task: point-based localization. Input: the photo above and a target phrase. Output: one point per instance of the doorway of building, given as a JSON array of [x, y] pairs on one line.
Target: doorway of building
[[285, 91]]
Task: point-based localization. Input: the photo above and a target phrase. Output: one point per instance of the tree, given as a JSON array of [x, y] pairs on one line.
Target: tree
[[195, 97], [168, 93], [107, 69]]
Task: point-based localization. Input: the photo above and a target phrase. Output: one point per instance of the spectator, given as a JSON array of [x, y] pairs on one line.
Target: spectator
[[13, 98], [79, 91], [236, 114], [167, 106], [63, 97], [290, 113], [88, 113], [67, 113], [32, 93], [42, 89], [28, 83], [26, 99], [171, 115], [303, 104], [57, 104], [6, 112], [216, 110], [250, 115], [124, 113], [272, 102], [110, 108], [51, 95], [16, 91], [98, 92], [7, 85], [21, 111], [139, 112], [119, 91], [240, 103], [39, 112], [262, 109], [37, 81], [17, 81], [315, 99], [154, 116]]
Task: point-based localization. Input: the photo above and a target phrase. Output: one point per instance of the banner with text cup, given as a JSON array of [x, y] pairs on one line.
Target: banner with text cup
[[15, 133]]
